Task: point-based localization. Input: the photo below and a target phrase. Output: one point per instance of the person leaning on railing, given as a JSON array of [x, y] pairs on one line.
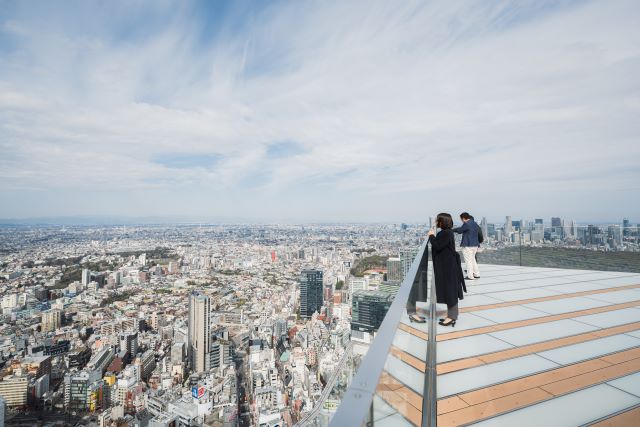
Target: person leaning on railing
[[446, 268]]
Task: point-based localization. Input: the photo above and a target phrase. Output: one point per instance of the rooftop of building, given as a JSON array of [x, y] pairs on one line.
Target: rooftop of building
[[532, 346]]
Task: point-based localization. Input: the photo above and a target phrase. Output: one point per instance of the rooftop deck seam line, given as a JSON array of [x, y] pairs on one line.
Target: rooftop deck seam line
[[480, 285], [413, 331], [394, 405], [547, 298], [410, 359], [541, 287], [534, 321], [534, 379], [491, 402], [610, 420], [535, 348], [635, 351], [491, 409], [473, 397]]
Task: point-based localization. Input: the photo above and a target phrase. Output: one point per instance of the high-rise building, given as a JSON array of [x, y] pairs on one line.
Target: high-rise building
[[51, 320], [569, 228], [485, 228], [199, 339], [310, 292], [86, 276], [556, 222], [407, 256], [13, 389], [626, 227], [76, 390], [615, 235], [508, 228], [129, 345], [395, 270], [368, 309]]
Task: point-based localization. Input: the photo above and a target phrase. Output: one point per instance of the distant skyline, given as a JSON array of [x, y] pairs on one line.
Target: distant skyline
[[320, 112], [96, 220]]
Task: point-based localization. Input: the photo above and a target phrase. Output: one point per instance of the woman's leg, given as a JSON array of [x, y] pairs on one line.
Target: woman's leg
[[452, 312]]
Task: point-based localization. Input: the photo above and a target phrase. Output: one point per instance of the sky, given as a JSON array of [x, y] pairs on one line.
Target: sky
[[320, 111]]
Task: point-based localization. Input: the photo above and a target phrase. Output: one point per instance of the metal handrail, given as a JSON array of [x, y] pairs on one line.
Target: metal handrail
[[357, 402], [430, 395]]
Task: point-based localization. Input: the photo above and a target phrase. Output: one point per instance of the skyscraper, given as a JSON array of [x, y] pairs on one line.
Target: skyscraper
[[310, 292], [407, 256], [626, 227], [86, 276], [569, 228], [556, 222], [485, 228], [508, 228], [198, 345], [395, 270]]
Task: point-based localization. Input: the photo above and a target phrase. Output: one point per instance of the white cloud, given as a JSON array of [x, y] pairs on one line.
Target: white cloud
[[389, 100]]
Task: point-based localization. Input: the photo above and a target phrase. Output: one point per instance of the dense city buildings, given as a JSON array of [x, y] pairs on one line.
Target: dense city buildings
[[214, 324]]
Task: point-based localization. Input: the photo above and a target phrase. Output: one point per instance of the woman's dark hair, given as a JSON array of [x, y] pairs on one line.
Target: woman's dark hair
[[465, 215], [444, 221]]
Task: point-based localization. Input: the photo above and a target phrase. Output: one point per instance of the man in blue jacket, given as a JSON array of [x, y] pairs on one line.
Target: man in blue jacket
[[469, 244]]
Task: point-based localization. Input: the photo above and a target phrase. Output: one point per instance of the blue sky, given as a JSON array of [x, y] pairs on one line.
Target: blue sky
[[320, 111]]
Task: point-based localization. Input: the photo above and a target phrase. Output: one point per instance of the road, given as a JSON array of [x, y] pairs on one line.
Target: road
[[311, 415]]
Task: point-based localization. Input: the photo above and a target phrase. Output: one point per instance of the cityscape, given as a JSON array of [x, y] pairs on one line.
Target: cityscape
[[167, 325], [260, 213]]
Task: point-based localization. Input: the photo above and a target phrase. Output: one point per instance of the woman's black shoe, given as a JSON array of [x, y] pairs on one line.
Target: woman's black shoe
[[451, 323], [417, 318]]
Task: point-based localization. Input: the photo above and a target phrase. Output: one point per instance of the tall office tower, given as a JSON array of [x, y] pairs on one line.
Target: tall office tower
[[198, 345], [368, 310], [86, 276], [310, 292], [508, 228], [395, 270], [51, 320], [406, 257], [556, 222], [626, 227], [615, 234], [569, 227], [485, 228]]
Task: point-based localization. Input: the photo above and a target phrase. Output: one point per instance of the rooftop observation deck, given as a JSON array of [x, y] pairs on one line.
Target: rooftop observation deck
[[532, 347]]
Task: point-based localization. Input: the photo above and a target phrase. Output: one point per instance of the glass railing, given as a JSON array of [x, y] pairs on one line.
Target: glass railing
[[391, 380], [395, 384], [585, 247]]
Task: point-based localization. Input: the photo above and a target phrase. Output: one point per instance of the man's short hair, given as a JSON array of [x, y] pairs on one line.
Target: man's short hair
[[465, 215]]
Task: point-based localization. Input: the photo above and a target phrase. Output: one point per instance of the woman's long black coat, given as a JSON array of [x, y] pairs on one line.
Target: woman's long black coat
[[447, 269]]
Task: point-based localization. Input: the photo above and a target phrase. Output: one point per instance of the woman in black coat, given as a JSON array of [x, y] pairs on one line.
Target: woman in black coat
[[446, 268]]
